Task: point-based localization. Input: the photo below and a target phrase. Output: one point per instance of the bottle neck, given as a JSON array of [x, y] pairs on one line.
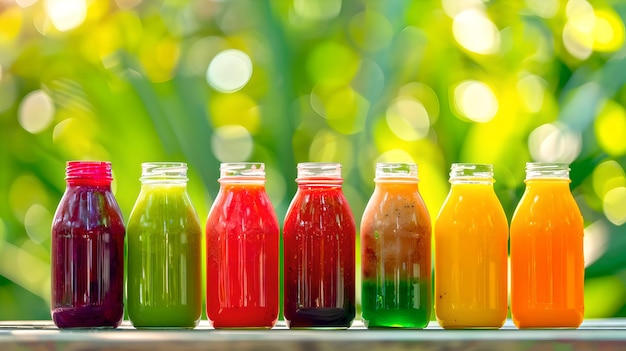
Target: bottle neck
[[471, 173], [164, 173], [542, 171], [242, 173], [92, 173], [319, 174], [390, 172]]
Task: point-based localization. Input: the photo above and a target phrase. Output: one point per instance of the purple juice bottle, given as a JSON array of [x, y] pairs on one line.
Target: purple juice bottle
[[87, 258]]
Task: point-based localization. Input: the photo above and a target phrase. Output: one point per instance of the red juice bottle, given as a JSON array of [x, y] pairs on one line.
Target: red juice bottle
[[242, 241], [319, 248], [87, 254]]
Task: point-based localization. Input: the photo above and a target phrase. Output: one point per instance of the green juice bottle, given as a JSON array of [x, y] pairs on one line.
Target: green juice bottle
[[164, 257], [396, 251]]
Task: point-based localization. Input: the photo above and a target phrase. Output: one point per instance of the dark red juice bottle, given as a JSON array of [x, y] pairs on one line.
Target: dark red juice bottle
[[242, 244], [87, 256], [319, 248]]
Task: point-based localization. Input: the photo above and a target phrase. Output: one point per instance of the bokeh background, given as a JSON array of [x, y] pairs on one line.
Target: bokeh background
[[282, 82]]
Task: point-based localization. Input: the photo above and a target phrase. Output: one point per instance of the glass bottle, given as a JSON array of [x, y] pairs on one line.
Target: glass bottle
[[242, 251], [87, 250], [547, 263], [164, 251], [396, 251], [471, 235], [319, 248]]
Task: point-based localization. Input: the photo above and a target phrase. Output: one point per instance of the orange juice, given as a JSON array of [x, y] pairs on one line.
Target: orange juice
[[471, 235], [547, 265]]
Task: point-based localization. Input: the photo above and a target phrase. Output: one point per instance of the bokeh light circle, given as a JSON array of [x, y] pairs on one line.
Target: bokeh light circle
[[607, 176], [317, 10], [454, 7], [36, 112], [395, 155], [25, 3], [578, 30], [37, 223], [554, 143], [614, 204], [66, 14], [371, 30], [232, 143], [475, 32], [610, 128], [608, 31], [408, 119], [579, 44], [531, 89], [476, 101], [328, 145], [229, 71]]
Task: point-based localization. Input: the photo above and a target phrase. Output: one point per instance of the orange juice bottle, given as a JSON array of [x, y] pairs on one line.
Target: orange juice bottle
[[471, 234], [547, 266]]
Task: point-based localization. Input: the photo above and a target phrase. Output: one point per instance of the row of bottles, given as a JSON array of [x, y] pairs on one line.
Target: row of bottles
[[242, 246], [546, 252]]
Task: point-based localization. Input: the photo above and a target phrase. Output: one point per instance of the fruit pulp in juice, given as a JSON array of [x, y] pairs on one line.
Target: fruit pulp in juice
[[471, 235], [242, 258], [319, 251], [164, 254], [547, 264], [396, 257], [87, 259]]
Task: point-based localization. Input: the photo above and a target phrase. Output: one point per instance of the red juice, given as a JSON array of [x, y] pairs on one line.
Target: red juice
[[319, 248], [87, 251], [242, 251]]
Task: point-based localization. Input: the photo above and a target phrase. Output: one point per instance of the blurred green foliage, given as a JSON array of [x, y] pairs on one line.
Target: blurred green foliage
[[282, 82]]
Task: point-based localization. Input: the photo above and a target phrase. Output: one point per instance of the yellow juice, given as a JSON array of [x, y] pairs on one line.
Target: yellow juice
[[471, 236]]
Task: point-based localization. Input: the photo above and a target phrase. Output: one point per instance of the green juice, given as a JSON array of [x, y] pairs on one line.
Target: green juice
[[395, 304], [164, 259]]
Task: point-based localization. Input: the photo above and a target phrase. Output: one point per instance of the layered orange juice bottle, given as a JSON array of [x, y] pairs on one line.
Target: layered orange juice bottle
[[471, 235], [547, 265], [396, 251]]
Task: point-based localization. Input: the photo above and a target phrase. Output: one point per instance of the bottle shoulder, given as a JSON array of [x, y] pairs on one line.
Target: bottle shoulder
[[547, 194], [545, 203], [327, 205], [244, 205], [471, 202], [472, 195], [400, 199], [89, 208]]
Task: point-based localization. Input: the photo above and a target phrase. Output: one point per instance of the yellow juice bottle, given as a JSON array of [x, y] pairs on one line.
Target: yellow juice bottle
[[471, 235], [547, 263]]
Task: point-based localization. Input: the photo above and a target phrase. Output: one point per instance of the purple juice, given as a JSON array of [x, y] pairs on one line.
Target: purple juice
[[87, 259]]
